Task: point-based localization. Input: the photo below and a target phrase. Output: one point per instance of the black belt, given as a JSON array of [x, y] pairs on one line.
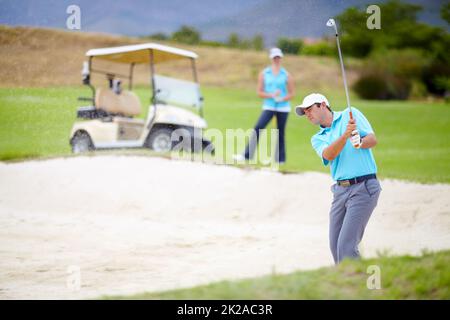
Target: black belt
[[349, 182]]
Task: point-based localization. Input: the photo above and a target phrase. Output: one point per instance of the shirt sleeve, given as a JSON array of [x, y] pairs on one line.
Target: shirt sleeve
[[319, 143], [362, 123]]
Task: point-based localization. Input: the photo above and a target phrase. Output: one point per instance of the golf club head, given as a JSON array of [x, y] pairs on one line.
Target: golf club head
[[331, 23]]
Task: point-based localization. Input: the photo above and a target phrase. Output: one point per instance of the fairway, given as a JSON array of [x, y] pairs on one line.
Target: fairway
[[413, 136]]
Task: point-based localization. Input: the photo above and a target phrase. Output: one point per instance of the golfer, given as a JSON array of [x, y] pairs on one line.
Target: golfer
[[276, 87], [353, 167]]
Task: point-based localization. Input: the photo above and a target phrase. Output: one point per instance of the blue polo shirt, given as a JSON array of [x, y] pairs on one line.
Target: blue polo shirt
[[351, 162]]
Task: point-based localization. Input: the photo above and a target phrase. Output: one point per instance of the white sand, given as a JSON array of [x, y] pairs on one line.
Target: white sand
[[136, 224]]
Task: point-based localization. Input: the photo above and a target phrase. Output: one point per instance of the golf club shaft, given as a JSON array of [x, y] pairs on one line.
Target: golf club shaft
[[343, 75]]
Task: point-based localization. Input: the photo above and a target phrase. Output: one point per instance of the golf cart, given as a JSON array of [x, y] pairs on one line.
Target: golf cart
[[109, 121]]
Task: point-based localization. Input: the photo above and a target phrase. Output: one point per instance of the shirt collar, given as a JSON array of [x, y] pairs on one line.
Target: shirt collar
[[336, 116], [269, 70]]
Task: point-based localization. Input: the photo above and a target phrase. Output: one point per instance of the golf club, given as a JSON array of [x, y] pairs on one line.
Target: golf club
[[332, 23]]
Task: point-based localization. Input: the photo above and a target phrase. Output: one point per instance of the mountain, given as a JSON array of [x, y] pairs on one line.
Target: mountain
[[294, 18], [133, 17], [289, 18], [215, 19]]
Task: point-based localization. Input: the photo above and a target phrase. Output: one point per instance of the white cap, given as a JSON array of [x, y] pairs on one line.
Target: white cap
[[275, 52], [308, 101]]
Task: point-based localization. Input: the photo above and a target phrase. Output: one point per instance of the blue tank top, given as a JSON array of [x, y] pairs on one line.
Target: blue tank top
[[273, 83]]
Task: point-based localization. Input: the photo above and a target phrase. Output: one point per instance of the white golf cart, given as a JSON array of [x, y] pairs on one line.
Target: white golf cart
[[109, 121]]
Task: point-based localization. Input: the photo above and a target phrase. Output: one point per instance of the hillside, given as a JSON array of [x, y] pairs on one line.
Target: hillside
[[48, 57]]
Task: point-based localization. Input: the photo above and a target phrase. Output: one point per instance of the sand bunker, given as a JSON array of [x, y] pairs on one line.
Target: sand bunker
[[134, 224]]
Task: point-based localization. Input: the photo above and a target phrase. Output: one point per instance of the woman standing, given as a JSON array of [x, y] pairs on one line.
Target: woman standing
[[276, 87]]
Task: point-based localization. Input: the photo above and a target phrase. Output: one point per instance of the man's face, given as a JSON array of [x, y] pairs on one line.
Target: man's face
[[314, 113]]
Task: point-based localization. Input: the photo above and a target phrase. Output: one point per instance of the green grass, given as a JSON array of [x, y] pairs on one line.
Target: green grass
[[413, 136], [405, 277]]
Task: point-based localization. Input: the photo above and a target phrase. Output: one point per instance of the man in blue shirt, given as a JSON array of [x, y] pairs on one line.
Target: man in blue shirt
[[345, 144]]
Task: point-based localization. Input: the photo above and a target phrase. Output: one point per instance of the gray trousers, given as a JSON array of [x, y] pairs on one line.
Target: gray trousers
[[350, 211]]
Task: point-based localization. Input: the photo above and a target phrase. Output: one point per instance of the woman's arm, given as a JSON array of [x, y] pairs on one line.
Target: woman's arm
[[260, 89], [291, 89]]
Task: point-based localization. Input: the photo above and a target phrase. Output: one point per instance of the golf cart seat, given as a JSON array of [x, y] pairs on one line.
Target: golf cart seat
[[126, 103], [108, 103]]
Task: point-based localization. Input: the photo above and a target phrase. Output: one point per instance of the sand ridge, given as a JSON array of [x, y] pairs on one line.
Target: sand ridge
[[134, 224]]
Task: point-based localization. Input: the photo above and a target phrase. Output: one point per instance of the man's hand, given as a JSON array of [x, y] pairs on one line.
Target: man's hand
[[352, 133], [355, 139], [351, 126]]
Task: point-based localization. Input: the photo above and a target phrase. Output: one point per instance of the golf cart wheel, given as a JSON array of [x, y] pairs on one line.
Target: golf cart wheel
[[81, 143], [160, 140]]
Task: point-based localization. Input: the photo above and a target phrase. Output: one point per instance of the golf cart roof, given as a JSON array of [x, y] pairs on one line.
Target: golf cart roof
[[140, 53]]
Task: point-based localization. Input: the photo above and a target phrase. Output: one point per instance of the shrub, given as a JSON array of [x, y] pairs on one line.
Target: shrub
[[235, 41], [292, 46], [418, 89], [390, 74], [372, 87], [214, 44], [159, 36], [436, 77], [322, 48]]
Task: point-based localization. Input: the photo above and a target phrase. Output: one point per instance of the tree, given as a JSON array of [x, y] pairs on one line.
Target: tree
[[321, 48], [292, 46], [355, 37], [258, 42], [159, 36], [233, 40], [399, 29], [445, 12], [187, 35]]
